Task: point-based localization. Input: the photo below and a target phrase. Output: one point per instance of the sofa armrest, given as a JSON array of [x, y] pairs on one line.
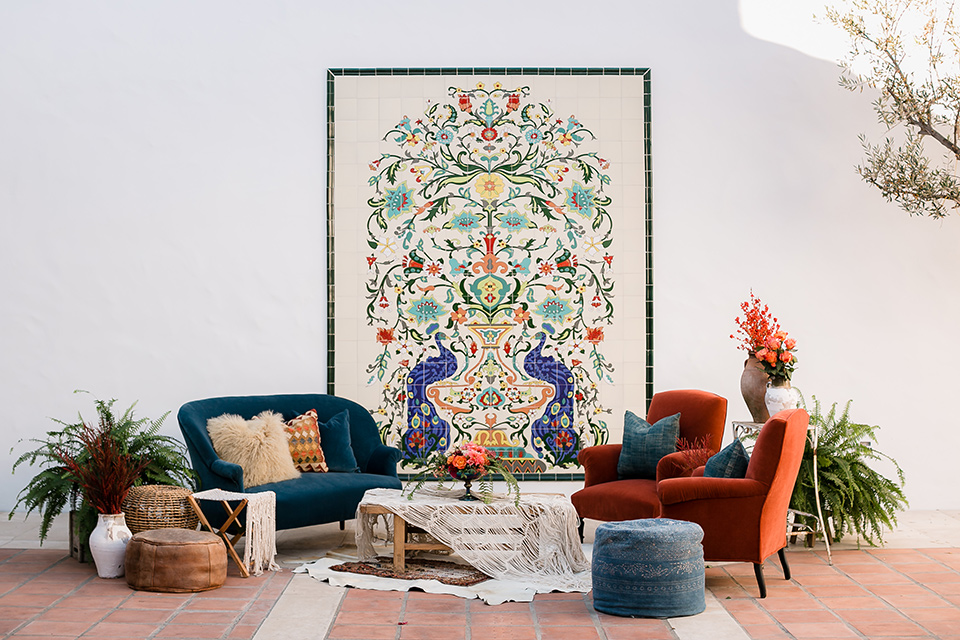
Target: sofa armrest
[[229, 475], [383, 461], [599, 463], [672, 465], [676, 490]]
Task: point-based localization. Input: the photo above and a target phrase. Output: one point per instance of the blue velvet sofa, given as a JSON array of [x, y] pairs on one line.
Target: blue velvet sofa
[[313, 498]]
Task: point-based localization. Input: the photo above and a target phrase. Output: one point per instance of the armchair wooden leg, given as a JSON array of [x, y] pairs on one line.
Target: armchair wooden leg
[[341, 525], [758, 571], [580, 530], [783, 563]]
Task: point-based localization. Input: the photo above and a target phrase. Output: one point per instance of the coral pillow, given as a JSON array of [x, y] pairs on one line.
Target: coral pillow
[[258, 445], [303, 437]]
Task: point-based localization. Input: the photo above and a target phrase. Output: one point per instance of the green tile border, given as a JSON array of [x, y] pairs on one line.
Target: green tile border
[[644, 72]]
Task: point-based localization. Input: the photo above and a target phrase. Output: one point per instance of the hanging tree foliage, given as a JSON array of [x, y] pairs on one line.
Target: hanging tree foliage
[[908, 50]]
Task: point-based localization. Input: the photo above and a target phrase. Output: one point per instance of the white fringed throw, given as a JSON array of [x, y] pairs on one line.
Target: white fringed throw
[[536, 543], [260, 547]]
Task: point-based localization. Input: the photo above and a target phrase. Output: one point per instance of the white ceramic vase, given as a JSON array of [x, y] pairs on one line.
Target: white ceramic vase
[[108, 544], [779, 396]]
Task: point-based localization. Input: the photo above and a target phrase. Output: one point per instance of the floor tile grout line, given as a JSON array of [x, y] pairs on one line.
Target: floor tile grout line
[[595, 616], [537, 633], [254, 599], [403, 615], [336, 613]]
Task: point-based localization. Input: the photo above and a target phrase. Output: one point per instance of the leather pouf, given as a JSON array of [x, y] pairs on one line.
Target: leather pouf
[[176, 561], [649, 568]]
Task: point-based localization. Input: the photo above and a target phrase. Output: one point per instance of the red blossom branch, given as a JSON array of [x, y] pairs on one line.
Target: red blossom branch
[[757, 325], [107, 474]]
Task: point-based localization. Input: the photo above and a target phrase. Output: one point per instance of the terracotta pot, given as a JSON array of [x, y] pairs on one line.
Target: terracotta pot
[[753, 388]]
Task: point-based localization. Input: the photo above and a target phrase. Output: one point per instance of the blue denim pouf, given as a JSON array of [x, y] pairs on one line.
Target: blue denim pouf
[[648, 568]]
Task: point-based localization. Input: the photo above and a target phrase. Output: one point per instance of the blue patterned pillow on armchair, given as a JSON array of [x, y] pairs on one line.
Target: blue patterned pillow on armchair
[[644, 444], [730, 462]]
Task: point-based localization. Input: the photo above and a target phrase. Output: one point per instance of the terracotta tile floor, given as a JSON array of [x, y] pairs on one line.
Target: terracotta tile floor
[[389, 615], [866, 594], [877, 593], [45, 593], [882, 594]]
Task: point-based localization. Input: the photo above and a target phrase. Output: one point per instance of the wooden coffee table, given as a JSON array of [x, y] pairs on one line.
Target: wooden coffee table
[[535, 539], [400, 532]]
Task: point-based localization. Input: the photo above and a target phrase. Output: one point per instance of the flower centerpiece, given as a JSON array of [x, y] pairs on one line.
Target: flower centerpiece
[[770, 360], [466, 462]]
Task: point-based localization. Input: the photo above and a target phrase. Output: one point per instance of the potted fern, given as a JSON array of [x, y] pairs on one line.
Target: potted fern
[[105, 473], [55, 488], [856, 499]]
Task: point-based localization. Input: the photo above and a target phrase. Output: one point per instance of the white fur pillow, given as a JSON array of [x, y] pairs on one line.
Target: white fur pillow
[[258, 445]]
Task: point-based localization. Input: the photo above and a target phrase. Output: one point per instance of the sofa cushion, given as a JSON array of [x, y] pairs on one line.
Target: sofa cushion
[[258, 445], [730, 462], [644, 444], [323, 497], [335, 441], [303, 437]]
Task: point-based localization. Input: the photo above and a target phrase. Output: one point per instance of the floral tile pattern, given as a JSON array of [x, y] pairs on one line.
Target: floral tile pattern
[[490, 286]]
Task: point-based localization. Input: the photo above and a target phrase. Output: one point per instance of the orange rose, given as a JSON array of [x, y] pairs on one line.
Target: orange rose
[[773, 343], [459, 462], [786, 356], [789, 343], [762, 354]]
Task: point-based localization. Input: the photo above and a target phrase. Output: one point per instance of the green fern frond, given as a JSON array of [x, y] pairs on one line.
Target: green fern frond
[[52, 489], [857, 499]]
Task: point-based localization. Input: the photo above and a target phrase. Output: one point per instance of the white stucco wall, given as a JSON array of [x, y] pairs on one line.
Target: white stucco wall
[[162, 171]]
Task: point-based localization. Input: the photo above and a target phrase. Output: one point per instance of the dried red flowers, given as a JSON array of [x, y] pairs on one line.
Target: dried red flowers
[[760, 334], [757, 325]]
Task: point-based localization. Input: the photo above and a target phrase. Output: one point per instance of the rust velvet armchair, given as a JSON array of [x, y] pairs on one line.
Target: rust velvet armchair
[[606, 497], [745, 519]]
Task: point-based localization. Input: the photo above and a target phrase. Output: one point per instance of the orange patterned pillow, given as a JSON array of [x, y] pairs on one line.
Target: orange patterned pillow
[[303, 436]]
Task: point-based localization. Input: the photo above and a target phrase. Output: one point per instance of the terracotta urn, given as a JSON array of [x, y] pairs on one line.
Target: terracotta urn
[[753, 388]]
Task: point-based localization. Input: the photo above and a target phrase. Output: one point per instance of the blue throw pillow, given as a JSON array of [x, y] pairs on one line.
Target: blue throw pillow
[[335, 442], [644, 444], [730, 462]]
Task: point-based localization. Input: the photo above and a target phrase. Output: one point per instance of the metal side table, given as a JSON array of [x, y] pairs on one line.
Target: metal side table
[[741, 428]]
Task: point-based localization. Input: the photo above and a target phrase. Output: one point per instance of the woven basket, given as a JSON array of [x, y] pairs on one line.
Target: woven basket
[[158, 506]]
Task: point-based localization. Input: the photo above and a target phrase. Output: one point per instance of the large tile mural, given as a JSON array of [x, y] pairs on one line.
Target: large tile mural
[[484, 259]]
